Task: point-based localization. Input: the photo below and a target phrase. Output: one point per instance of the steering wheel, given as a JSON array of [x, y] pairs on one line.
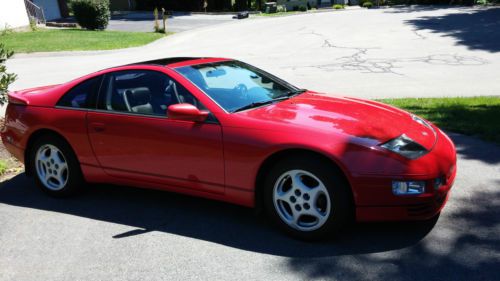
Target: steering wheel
[[242, 88]]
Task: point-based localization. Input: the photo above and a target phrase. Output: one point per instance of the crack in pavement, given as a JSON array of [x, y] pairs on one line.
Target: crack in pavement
[[358, 61], [420, 36]]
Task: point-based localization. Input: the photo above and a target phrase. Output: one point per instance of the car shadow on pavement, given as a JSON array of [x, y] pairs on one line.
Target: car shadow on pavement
[[234, 226], [465, 246]]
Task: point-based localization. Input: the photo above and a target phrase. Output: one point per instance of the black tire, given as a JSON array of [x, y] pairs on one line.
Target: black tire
[[340, 196], [74, 177]]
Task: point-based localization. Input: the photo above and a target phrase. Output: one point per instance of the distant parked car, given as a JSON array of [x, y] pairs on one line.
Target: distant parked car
[[225, 130], [242, 15]]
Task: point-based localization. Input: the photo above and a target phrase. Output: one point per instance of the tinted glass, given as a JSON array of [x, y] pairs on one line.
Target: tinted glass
[[82, 95], [143, 92], [234, 84]]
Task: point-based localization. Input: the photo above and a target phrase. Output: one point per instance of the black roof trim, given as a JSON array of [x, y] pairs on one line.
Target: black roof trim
[[166, 61]]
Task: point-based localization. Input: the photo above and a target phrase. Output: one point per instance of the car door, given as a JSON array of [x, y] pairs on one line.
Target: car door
[[133, 138]]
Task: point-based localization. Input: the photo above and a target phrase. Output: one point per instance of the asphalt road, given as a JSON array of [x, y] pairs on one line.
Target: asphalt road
[[177, 22], [120, 233], [116, 233], [377, 53]]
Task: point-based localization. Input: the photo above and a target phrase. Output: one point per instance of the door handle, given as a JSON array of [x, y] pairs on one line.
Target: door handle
[[98, 127]]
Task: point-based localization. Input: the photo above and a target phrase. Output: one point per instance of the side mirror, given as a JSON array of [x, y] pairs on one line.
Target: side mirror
[[186, 112]]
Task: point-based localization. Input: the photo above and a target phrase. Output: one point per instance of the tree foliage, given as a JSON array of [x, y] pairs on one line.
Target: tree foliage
[[92, 14], [5, 78]]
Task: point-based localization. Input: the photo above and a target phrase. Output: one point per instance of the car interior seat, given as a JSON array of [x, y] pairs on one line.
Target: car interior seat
[[138, 100]]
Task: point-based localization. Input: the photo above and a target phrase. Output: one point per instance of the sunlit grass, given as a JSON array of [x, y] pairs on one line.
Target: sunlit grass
[[477, 116], [49, 40]]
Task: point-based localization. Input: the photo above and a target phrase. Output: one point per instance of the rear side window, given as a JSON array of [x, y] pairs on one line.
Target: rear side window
[[82, 95]]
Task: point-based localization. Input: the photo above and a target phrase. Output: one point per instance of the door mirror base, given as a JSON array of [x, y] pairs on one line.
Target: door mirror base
[[186, 112]]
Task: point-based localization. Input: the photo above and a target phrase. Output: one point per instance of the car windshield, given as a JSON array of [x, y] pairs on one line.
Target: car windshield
[[237, 86]]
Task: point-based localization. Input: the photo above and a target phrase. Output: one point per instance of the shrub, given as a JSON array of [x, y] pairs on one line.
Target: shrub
[[33, 25], [3, 167], [91, 14], [338, 6], [368, 5], [482, 2], [6, 30], [281, 9], [5, 78], [302, 8]]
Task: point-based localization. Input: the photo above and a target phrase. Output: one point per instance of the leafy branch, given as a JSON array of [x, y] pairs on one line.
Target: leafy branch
[[5, 78]]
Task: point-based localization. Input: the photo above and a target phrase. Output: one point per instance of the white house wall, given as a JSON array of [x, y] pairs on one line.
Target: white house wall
[[13, 14]]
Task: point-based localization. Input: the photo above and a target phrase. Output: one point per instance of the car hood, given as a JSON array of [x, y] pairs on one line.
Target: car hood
[[355, 118]]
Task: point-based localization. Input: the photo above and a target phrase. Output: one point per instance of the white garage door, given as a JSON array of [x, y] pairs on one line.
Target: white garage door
[[50, 8]]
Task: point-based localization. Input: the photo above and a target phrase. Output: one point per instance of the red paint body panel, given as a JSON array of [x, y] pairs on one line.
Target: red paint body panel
[[221, 160], [171, 152], [22, 121]]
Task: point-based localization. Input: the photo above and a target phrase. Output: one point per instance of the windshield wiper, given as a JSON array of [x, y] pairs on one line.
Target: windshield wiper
[[286, 96], [260, 103]]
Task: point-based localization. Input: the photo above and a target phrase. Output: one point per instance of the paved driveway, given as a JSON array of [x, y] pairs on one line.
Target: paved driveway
[[118, 233], [177, 22], [366, 53]]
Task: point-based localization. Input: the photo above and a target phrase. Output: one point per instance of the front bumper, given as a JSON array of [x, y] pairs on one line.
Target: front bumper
[[417, 208], [376, 202]]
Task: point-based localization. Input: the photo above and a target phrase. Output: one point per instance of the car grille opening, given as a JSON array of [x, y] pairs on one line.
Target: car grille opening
[[428, 208]]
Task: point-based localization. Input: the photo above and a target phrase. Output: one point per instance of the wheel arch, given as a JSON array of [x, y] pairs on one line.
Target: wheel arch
[[31, 140], [294, 152]]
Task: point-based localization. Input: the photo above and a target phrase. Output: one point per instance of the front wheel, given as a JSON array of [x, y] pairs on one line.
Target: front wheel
[[55, 167], [307, 198]]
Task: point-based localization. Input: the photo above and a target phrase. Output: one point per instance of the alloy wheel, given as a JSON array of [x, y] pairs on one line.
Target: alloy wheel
[[51, 167], [301, 200]]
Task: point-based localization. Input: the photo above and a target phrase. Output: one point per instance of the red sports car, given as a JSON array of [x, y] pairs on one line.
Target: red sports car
[[225, 130]]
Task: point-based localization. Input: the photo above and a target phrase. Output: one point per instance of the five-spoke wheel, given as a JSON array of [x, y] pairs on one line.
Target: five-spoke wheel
[[51, 167], [301, 200], [55, 166], [307, 196]]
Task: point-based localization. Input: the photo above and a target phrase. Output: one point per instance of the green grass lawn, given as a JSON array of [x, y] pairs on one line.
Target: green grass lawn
[[49, 40], [476, 116]]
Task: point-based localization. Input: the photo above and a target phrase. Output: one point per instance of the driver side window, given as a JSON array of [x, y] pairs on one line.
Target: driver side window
[[143, 92]]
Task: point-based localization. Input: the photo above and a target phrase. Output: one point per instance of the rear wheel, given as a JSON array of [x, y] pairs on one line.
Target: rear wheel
[[307, 197], [55, 167]]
